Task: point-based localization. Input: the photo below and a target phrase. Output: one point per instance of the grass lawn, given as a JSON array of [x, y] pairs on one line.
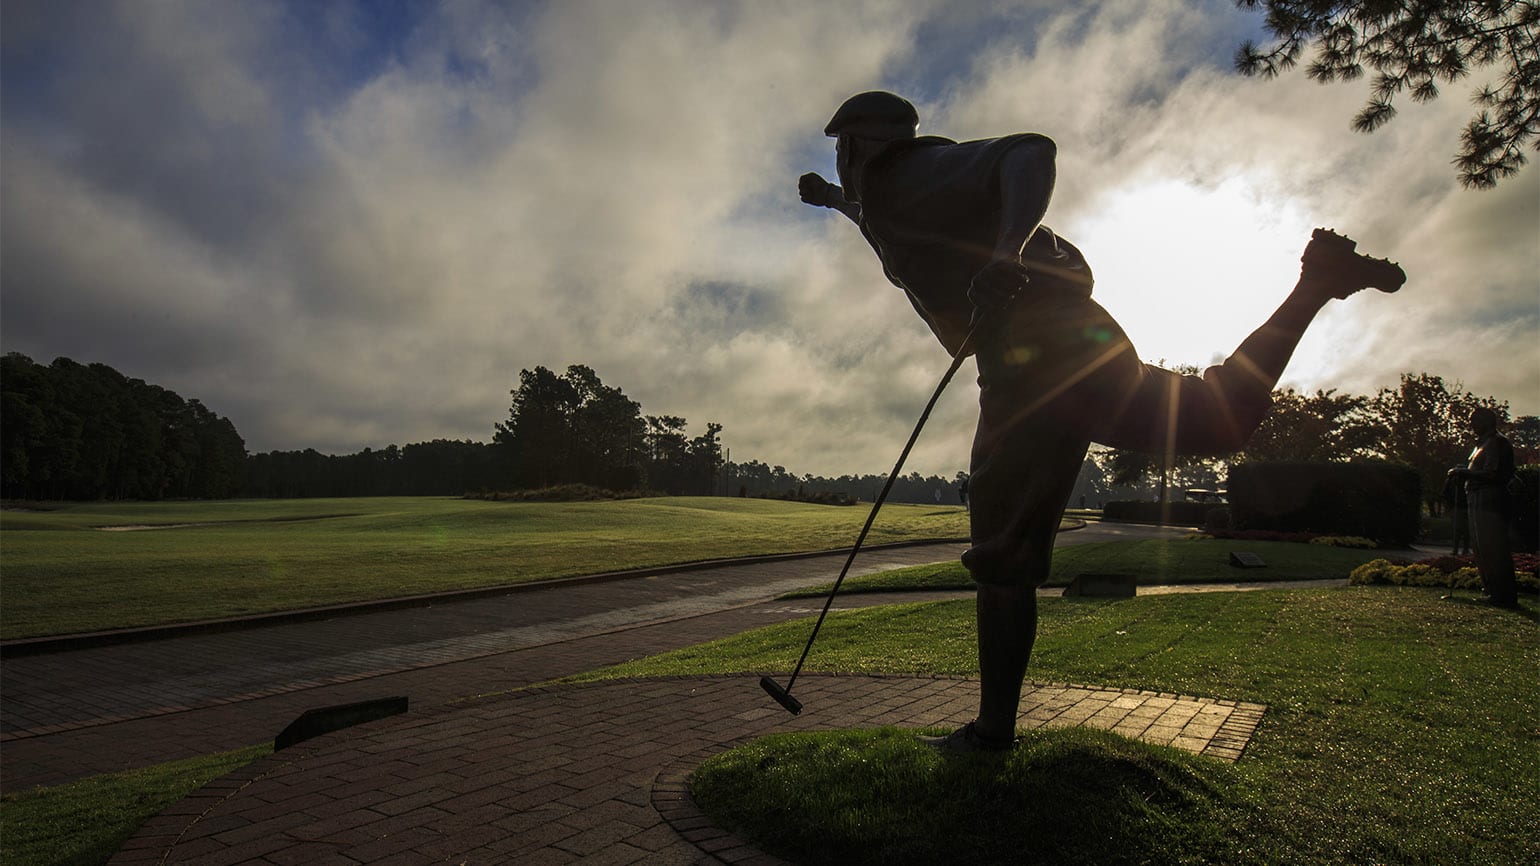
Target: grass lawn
[[1400, 729], [62, 574], [85, 822], [1065, 796], [1153, 561]]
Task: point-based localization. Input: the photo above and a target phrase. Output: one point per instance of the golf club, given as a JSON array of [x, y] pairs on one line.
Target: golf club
[[783, 695]]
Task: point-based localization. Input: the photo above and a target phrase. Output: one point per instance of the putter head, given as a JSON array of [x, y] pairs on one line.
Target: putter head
[[781, 696]]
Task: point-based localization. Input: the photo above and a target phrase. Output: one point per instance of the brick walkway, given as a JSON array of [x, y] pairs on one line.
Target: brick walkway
[[590, 773]]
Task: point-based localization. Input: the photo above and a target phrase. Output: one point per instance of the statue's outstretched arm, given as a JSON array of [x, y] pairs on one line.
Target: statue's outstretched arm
[[820, 193]]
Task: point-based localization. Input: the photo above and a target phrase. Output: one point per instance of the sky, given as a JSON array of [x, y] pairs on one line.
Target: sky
[[351, 224]]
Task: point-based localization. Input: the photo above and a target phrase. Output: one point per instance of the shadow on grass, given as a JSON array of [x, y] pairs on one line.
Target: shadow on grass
[[1062, 796], [1521, 610]]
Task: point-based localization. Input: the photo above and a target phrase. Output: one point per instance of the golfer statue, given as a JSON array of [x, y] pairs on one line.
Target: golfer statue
[[958, 227]]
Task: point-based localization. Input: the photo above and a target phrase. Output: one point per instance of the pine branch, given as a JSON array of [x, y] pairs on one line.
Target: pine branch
[[1412, 46]]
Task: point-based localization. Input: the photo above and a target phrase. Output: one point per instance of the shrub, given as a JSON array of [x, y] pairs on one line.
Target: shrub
[[1373, 499], [1467, 578], [1353, 541], [1446, 571], [1375, 571], [562, 493], [825, 498], [1523, 563]]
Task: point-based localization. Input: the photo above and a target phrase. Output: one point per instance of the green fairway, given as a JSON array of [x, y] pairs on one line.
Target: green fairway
[[63, 573], [1153, 562], [1400, 728]]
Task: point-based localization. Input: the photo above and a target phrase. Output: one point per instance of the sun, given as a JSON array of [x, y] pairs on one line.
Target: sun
[[1190, 270]]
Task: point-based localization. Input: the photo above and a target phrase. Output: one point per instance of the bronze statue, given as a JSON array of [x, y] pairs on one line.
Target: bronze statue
[[1490, 508], [958, 227]]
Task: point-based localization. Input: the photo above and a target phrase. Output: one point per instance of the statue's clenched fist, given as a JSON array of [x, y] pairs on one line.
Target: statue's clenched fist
[[814, 189]]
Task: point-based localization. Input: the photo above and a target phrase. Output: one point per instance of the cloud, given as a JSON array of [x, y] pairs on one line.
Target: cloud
[[344, 231]]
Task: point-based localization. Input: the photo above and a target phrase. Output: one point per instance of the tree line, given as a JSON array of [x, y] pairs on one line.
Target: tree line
[[757, 479], [562, 429], [85, 432], [82, 432]]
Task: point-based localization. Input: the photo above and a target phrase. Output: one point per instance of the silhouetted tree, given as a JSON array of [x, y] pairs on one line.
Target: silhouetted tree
[[537, 435], [1412, 45], [571, 429], [678, 464], [74, 431], [1524, 433], [667, 453], [607, 433], [703, 459], [25, 426], [1124, 468], [1425, 425], [1324, 427]]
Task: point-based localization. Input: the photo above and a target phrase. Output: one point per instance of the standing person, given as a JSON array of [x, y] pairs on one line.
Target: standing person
[[957, 227], [1486, 477]]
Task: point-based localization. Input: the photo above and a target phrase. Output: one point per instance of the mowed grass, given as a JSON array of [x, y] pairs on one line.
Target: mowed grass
[[1153, 562], [63, 574], [1061, 796], [1400, 729], [85, 822]]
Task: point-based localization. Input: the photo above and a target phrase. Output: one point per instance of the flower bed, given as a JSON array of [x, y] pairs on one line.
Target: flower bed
[[1452, 571], [1354, 541]]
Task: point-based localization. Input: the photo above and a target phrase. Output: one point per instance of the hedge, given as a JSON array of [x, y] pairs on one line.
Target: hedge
[[1377, 500]]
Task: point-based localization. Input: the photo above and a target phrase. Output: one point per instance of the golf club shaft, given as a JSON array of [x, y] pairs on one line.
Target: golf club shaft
[[951, 371]]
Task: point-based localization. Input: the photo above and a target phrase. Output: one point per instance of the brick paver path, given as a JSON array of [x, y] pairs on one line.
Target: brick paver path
[[589, 773]]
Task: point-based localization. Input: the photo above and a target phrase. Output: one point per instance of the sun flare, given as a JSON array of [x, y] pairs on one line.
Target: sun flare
[[1191, 270]]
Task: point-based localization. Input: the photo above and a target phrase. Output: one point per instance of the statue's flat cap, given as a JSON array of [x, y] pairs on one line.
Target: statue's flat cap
[[875, 114]]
